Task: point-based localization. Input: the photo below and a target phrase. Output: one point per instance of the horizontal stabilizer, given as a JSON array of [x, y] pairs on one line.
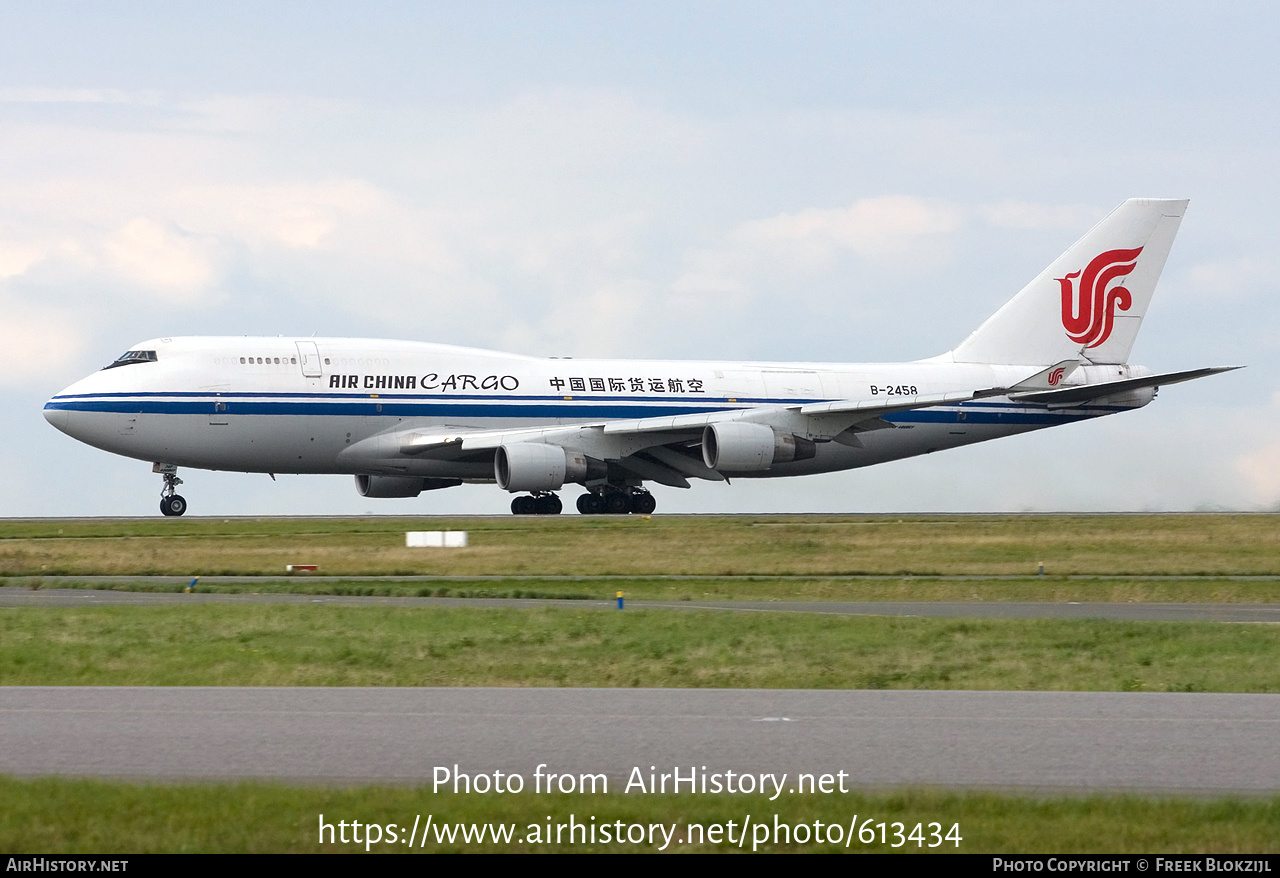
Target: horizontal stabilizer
[[1047, 379], [1086, 392]]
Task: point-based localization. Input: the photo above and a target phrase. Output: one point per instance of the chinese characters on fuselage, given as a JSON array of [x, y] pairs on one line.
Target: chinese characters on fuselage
[[627, 385]]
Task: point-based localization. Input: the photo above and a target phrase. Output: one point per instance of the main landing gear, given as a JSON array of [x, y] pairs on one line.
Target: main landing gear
[[171, 502], [613, 501], [537, 504], [608, 500]]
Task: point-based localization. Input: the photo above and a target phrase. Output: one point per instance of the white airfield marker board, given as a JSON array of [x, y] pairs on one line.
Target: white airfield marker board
[[436, 539]]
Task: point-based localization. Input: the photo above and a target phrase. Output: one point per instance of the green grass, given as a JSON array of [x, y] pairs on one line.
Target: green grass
[[86, 816], [279, 645], [1101, 545]]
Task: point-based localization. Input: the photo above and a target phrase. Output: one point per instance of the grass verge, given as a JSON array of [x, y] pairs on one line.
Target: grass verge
[[52, 816], [1102, 545], [318, 645]]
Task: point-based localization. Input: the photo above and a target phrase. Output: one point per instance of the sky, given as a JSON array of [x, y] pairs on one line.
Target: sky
[[832, 182]]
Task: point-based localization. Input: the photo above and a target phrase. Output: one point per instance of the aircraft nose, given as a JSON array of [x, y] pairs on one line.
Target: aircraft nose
[[56, 416]]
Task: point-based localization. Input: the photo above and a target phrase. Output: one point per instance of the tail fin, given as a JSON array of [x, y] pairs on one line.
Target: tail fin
[[1090, 302]]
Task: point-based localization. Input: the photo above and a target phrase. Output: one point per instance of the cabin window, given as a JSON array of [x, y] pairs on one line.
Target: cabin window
[[128, 358], [242, 361]]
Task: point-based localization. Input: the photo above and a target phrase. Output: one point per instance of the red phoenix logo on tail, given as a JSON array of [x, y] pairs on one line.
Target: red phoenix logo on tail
[[1089, 316]]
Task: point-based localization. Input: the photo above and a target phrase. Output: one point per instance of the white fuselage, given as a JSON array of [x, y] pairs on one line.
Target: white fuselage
[[335, 405]]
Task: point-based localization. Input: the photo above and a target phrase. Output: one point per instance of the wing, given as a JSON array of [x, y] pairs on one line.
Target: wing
[[665, 449], [668, 449]]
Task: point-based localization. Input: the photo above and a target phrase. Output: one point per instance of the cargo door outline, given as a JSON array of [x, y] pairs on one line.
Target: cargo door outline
[[309, 359]]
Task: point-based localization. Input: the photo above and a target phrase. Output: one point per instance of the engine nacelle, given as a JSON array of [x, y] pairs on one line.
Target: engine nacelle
[[735, 446], [532, 466], [399, 486]]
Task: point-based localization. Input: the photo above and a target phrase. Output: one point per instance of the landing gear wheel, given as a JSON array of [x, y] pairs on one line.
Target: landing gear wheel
[[524, 505], [589, 504], [171, 503], [547, 504], [642, 503], [617, 504]]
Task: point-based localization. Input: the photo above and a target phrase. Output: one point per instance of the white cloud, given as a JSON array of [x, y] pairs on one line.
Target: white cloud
[[1029, 215], [161, 257], [36, 342], [1231, 278], [300, 214], [15, 259], [588, 134], [74, 96], [879, 229], [793, 265]]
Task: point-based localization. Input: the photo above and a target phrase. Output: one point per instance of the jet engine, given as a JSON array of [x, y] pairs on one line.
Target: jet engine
[[532, 466], [399, 486], [735, 446]]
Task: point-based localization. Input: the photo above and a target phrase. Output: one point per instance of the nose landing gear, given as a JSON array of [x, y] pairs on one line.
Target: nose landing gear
[[171, 502]]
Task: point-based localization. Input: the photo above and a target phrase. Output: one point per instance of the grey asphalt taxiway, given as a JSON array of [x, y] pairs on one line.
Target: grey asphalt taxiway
[[1049, 741]]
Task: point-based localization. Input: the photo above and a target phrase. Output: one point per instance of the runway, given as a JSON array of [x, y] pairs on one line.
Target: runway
[[13, 596], [1030, 741]]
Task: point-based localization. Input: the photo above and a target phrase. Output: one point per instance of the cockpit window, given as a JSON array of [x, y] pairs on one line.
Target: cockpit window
[[128, 358]]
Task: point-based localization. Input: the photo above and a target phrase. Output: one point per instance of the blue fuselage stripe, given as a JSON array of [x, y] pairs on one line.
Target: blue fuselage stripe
[[540, 408], [378, 408]]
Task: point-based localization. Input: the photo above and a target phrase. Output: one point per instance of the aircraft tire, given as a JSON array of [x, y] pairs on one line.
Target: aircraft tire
[[177, 505], [643, 503], [164, 507], [524, 505], [548, 505], [589, 504], [617, 504]]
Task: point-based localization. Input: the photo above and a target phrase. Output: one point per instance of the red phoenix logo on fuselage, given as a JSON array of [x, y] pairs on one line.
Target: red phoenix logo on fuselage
[[1089, 316]]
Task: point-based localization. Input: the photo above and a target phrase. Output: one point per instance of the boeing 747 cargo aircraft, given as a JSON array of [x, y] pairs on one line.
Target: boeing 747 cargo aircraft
[[405, 417]]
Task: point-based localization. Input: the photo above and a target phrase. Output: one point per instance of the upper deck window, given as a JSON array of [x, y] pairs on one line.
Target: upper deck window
[[128, 358]]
